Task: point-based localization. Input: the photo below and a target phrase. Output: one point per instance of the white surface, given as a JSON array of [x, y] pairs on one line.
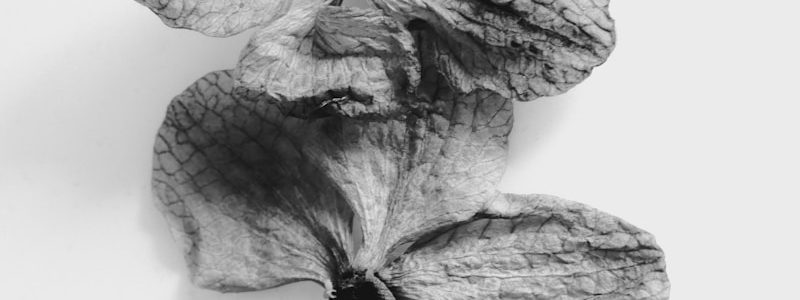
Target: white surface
[[690, 131]]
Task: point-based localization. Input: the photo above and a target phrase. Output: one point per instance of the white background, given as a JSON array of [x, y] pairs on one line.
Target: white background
[[690, 131]]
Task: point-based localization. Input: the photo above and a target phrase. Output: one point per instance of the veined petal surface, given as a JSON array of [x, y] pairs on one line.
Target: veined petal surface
[[219, 18], [358, 60], [250, 209], [521, 49], [532, 247]]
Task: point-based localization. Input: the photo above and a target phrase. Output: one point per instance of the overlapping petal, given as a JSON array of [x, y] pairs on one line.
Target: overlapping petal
[[360, 61], [521, 49], [437, 167], [362, 149], [292, 186], [218, 18], [532, 247], [251, 210]]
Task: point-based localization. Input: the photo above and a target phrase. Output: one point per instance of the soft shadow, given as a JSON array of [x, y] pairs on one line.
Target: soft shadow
[[535, 123], [88, 106], [165, 249]]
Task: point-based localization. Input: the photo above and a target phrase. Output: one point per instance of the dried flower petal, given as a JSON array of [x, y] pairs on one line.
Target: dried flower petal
[[321, 52], [219, 18], [533, 247], [521, 49], [225, 163], [362, 151], [441, 169], [251, 210]]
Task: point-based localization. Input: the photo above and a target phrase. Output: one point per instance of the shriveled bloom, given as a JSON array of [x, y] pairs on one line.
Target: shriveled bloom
[[361, 149]]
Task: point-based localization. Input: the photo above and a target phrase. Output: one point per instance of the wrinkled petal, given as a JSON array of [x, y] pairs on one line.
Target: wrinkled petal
[[250, 209], [362, 58], [233, 171], [532, 247], [433, 158], [402, 176], [522, 49], [219, 18], [409, 175]]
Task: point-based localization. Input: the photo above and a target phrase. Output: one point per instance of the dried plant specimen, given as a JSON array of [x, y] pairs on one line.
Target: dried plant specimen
[[361, 149]]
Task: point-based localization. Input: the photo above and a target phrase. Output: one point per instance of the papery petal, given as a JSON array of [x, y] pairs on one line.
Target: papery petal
[[252, 213], [290, 186], [532, 247], [425, 170], [522, 49], [321, 52], [406, 162], [218, 18]]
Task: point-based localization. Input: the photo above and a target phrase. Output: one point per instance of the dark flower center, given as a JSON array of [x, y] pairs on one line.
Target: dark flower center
[[356, 286]]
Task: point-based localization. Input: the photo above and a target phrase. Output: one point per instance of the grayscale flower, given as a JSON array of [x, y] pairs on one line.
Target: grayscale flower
[[361, 149]]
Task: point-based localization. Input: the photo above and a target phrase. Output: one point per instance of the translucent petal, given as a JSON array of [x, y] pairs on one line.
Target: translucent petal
[[287, 189], [532, 247], [360, 61], [522, 49], [240, 194], [218, 18]]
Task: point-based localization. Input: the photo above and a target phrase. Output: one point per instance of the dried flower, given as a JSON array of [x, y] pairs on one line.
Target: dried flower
[[361, 149]]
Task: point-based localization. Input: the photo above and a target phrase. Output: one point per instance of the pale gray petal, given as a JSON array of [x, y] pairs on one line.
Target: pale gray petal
[[532, 247], [218, 18], [522, 49], [249, 208], [361, 61]]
